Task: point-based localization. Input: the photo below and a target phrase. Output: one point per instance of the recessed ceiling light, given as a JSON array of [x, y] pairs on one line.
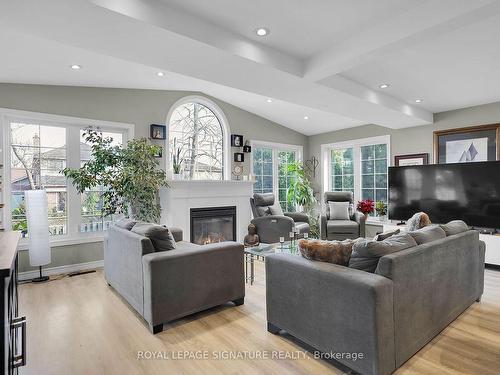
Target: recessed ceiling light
[[262, 31], [76, 67], [269, 100], [160, 74], [418, 100], [384, 85], [306, 117]]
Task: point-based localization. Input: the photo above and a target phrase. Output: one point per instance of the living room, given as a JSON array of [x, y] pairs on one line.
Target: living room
[[234, 187]]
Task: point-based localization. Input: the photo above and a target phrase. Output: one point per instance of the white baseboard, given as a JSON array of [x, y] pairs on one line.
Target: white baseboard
[[61, 270]]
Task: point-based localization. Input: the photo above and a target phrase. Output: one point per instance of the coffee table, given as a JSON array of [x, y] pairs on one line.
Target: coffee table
[[261, 251]]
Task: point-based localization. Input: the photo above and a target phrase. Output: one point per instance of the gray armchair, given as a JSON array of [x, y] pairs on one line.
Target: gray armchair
[[270, 220], [341, 229]]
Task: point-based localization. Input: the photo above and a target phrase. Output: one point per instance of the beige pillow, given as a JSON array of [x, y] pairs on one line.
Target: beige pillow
[[428, 234], [386, 235], [336, 252], [339, 210]]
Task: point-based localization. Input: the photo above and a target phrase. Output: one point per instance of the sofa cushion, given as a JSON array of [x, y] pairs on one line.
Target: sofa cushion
[[428, 234], [342, 226], [386, 235], [454, 227], [339, 210], [276, 209], [336, 252], [125, 223], [366, 253], [160, 236]]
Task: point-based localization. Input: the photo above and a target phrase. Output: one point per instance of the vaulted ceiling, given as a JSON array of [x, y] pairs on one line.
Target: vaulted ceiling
[[323, 59]]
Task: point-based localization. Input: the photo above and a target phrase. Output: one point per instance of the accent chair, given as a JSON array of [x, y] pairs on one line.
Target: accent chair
[[341, 229], [270, 220]]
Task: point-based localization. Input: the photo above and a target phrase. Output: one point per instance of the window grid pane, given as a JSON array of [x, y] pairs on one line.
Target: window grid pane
[[263, 170], [285, 158], [342, 169], [38, 154], [91, 200], [374, 172]]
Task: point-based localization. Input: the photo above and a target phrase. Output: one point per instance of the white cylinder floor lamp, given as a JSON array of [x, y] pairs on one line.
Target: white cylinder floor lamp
[[38, 230]]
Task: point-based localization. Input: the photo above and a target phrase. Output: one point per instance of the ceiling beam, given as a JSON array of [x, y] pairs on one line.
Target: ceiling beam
[[421, 23], [83, 24]]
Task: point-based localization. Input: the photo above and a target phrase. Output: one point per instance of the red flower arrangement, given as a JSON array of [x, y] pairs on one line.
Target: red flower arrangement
[[366, 206]]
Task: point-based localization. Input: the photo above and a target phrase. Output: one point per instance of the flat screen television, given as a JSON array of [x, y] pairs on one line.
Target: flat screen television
[[465, 191]]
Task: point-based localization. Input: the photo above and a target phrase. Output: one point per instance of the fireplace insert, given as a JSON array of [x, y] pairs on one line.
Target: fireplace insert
[[213, 224]]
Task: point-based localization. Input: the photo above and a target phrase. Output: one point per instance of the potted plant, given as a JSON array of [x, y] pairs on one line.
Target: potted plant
[[176, 160], [381, 209], [366, 206], [301, 194], [131, 176]]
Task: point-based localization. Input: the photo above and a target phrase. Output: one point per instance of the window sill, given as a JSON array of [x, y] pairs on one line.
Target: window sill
[[66, 241]]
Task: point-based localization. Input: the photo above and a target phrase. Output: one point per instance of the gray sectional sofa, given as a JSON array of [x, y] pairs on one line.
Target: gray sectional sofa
[[388, 315], [166, 285]]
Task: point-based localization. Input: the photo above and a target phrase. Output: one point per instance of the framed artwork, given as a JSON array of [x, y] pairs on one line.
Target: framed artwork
[[411, 159], [467, 145], [239, 157], [158, 131], [236, 140]]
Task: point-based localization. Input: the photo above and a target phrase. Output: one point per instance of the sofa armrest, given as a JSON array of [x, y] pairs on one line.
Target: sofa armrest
[[182, 281], [333, 309], [323, 221], [298, 217], [361, 220], [177, 233], [271, 228]]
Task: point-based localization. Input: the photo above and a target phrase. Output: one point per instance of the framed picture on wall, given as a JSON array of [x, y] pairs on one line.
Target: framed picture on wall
[[158, 131], [467, 145], [236, 140], [411, 159], [239, 157]]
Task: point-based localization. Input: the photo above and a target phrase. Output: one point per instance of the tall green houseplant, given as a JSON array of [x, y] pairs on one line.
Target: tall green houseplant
[[131, 176], [301, 194]]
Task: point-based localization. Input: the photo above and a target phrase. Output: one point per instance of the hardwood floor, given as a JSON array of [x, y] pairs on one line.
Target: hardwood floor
[[79, 325]]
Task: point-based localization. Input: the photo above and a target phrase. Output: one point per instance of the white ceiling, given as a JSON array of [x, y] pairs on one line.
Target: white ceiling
[[323, 59]]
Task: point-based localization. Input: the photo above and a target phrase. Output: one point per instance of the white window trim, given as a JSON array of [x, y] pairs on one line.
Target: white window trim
[[276, 147], [356, 145], [72, 124], [226, 131]]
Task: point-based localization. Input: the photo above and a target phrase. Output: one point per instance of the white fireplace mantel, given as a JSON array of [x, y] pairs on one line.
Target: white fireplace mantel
[[177, 200]]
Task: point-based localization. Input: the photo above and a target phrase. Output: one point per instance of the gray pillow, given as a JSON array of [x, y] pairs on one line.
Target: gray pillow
[[263, 211], [454, 227], [161, 237], [386, 235], [366, 253], [275, 209], [126, 224], [428, 234], [339, 210]]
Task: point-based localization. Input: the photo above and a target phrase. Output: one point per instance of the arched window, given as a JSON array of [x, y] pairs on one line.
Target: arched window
[[197, 137]]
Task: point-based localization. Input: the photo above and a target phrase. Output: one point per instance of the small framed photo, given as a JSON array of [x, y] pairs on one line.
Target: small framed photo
[[239, 157], [236, 140], [158, 131], [411, 159]]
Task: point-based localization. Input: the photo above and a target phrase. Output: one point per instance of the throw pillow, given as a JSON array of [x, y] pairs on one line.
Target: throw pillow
[[263, 211], [366, 253], [161, 237], [428, 234], [339, 210], [336, 252], [386, 235], [454, 227], [275, 209], [126, 224], [417, 221]]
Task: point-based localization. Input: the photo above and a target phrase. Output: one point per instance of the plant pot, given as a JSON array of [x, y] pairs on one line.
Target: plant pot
[[177, 176], [382, 217]]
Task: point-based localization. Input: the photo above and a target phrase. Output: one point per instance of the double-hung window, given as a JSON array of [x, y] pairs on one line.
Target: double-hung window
[[270, 168], [39, 147], [359, 166]]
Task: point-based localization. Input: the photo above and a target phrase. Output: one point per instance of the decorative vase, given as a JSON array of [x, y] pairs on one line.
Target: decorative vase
[[382, 217], [177, 176]]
